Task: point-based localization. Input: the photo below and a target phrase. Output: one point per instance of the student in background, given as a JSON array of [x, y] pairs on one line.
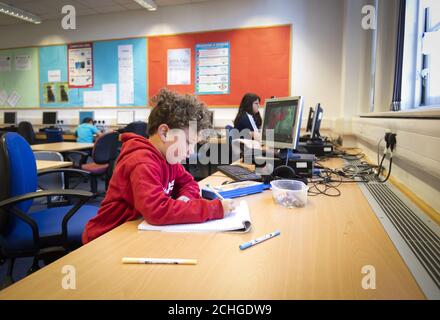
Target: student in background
[[86, 131], [149, 180], [248, 116]]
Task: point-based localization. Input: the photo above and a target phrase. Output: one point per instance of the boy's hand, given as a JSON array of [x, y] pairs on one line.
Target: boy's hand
[[229, 206]]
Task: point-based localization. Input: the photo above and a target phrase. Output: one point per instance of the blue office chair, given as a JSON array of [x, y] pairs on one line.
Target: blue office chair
[[54, 135], [41, 233]]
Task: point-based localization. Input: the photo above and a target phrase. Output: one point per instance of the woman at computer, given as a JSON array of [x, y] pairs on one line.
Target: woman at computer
[[248, 116]]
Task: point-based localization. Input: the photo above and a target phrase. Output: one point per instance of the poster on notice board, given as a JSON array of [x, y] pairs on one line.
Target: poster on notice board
[[213, 68], [80, 65]]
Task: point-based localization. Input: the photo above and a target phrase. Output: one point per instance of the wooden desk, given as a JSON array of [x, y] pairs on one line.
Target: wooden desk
[[319, 255], [61, 146], [217, 140], [46, 164], [66, 137]]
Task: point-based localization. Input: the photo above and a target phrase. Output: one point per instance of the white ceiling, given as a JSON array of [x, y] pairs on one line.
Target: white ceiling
[[51, 9]]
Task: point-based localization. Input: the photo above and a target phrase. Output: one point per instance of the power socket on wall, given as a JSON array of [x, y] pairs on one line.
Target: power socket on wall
[[391, 140]]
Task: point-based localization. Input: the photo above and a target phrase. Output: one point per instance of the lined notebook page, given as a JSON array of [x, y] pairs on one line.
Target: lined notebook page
[[238, 221]]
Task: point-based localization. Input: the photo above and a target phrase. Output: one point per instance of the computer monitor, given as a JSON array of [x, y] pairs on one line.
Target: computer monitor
[[86, 114], [10, 118], [283, 116], [124, 117], [319, 112], [50, 118], [310, 120]]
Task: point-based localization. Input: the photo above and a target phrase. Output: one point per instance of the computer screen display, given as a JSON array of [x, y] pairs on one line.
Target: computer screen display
[[49, 118], [310, 120], [319, 112], [283, 117], [86, 114], [10, 118], [124, 117]]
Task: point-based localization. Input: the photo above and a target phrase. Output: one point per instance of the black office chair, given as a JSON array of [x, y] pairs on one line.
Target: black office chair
[[54, 135], [138, 127], [26, 130], [104, 154]]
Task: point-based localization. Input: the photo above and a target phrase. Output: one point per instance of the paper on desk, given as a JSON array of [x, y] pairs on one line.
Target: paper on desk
[[238, 221], [251, 144]]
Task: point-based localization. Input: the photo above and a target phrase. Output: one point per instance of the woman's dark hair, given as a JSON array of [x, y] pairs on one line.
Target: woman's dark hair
[[87, 120], [246, 107], [176, 111]]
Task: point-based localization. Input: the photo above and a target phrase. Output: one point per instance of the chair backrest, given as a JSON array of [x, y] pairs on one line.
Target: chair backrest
[[20, 167], [54, 135], [138, 127], [4, 183], [105, 148], [26, 130], [53, 180]]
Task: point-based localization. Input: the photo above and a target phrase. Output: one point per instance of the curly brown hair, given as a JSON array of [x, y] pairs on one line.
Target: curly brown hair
[[176, 111]]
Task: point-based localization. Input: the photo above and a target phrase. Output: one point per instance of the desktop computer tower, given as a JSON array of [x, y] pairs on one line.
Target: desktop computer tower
[[302, 164], [317, 148]]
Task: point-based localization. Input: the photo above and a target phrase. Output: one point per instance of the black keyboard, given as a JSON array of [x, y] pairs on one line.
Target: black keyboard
[[239, 173]]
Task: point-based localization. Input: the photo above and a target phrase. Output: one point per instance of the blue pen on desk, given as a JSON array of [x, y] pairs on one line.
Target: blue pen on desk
[[260, 239]]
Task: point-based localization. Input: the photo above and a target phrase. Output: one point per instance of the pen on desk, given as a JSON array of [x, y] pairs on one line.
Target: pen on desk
[[215, 192], [158, 261], [258, 240]]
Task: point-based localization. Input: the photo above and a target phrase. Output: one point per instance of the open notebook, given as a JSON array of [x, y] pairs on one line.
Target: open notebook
[[238, 221]]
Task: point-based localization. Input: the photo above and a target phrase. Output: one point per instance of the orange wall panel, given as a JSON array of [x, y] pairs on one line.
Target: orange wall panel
[[259, 62]]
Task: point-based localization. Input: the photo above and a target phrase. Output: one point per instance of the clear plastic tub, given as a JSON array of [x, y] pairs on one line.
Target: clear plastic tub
[[289, 193]]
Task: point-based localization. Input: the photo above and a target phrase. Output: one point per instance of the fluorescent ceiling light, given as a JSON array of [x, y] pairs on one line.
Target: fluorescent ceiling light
[[19, 13], [148, 4]]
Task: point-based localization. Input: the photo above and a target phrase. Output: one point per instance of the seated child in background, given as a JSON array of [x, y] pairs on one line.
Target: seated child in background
[[86, 130], [248, 116], [149, 180]]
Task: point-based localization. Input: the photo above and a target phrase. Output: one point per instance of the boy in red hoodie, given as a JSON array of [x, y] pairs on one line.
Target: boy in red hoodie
[[149, 180]]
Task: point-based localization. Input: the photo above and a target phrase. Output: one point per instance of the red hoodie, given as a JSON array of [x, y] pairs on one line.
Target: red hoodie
[[145, 184]]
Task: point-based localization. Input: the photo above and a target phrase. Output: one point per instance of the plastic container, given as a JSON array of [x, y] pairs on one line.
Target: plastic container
[[289, 193]]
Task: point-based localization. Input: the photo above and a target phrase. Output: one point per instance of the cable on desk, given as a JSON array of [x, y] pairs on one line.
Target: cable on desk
[[328, 180]]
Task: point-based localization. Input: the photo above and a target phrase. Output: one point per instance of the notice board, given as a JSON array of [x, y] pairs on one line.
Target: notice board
[[259, 62]]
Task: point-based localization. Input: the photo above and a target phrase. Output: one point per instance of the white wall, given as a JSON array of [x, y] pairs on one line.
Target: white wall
[[416, 160], [417, 157], [316, 39], [356, 66]]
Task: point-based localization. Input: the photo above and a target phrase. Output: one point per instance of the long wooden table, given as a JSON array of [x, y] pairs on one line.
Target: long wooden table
[[46, 164], [66, 136], [61, 146], [319, 255]]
